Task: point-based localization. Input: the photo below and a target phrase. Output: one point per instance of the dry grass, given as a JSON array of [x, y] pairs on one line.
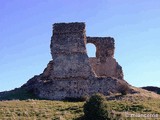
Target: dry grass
[[143, 102], [39, 109]]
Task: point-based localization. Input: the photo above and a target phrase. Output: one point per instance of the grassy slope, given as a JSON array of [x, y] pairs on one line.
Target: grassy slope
[[58, 110], [28, 109], [40, 109]]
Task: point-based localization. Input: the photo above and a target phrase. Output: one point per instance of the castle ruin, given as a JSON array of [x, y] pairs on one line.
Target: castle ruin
[[71, 73]]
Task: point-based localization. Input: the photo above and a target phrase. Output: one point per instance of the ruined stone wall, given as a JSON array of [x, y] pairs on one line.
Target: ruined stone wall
[[60, 89], [68, 49], [104, 64], [110, 68], [104, 47]]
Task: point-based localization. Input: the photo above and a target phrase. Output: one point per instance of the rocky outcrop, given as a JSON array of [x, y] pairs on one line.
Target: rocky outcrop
[[71, 73]]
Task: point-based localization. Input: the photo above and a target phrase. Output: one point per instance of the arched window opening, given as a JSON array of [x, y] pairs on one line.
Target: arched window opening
[[91, 50]]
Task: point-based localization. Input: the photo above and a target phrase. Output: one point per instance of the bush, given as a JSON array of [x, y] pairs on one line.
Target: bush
[[95, 109]]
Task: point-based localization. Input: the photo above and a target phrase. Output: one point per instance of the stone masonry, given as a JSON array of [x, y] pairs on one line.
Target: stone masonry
[[71, 73], [69, 51], [104, 64]]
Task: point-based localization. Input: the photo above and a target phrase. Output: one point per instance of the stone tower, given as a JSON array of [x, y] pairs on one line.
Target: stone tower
[[68, 49], [71, 73]]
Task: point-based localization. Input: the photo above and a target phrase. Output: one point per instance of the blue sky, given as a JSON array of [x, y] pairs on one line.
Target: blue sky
[[26, 29]]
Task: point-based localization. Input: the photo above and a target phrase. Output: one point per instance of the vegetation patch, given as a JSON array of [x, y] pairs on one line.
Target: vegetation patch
[[60, 110]]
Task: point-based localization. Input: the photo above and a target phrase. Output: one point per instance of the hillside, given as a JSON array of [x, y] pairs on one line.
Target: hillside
[[152, 88], [144, 102], [59, 110]]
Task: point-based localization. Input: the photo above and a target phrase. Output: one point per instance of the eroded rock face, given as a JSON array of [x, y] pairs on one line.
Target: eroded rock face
[[72, 73]]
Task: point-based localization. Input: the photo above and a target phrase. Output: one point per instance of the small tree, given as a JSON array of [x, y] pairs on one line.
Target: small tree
[[95, 109]]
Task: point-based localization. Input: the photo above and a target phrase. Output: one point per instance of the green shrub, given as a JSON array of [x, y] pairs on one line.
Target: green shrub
[[95, 109]]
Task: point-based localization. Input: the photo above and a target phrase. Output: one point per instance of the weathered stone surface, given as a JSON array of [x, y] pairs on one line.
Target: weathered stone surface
[[71, 73], [104, 64], [59, 89], [108, 68], [47, 70], [105, 46], [68, 51]]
